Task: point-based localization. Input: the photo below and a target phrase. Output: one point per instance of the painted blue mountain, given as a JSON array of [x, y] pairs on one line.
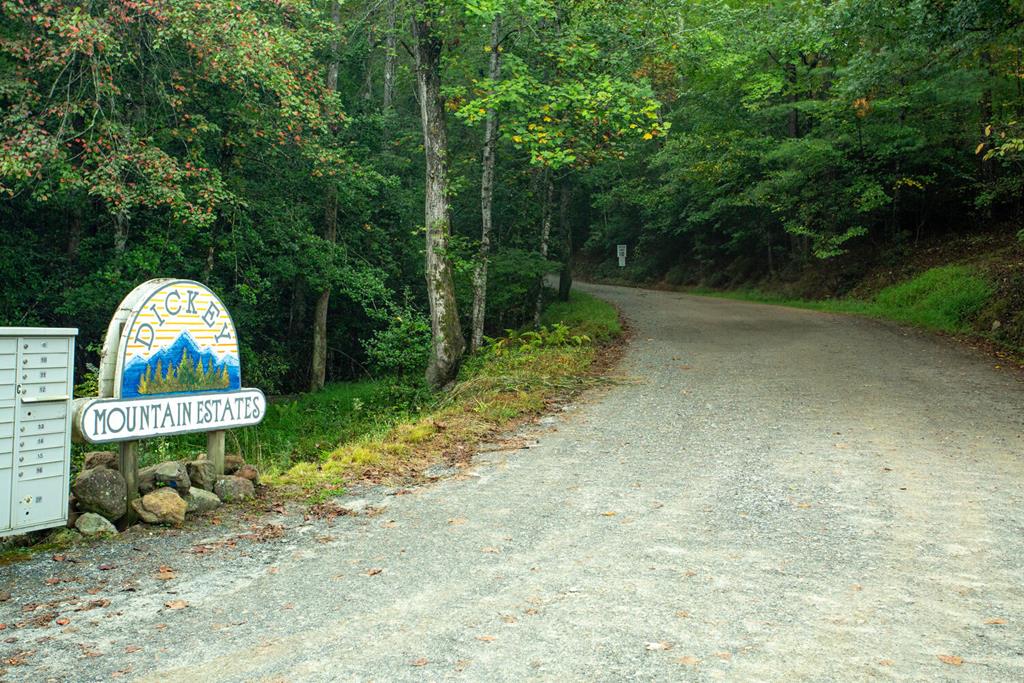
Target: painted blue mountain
[[180, 368]]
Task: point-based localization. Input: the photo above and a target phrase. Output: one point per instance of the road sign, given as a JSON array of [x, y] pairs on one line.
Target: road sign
[[620, 250]]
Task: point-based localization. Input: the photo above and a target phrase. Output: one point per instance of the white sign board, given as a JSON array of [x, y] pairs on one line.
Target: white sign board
[[115, 419], [621, 251]]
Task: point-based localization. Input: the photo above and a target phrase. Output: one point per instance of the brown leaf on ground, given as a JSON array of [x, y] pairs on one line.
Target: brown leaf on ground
[[132, 649], [374, 571], [63, 621], [885, 662], [688, 660], [107, 567], [422, 661], [93, 604], [996, 621], [52, 581], [610, 513], [455, 521], [682, 614], [724, 656], [486, 639], [176, 604], [489, 549], [19, 658], [952, 660], [164, 573]]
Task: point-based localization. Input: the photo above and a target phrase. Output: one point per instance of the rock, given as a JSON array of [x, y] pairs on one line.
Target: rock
[[102, 491], [201, 474], [94, 459], [171, 474], [232, 463], [996, 325], [91, 524], [231, 489], [162, 506], [440, 471], [200, 500], [249, 472]]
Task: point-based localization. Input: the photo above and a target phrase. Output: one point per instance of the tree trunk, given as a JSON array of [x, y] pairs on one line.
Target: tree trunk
[[565, 276], [486, 197], [545, 234], [447, 344], [318, 367], [390, 56]]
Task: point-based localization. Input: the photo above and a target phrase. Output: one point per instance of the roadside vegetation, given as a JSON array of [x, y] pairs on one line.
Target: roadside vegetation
[[942, 299]]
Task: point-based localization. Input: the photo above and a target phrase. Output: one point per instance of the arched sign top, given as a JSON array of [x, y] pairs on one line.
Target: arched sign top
[[177, 338]]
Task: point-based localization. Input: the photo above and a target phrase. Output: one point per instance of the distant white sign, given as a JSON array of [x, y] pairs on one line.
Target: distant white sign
[[116, 419], [621, 251]]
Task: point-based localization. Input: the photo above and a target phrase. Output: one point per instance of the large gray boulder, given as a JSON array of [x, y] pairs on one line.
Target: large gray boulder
[[162, 506], [201, 474], [92, 525], [102, 491], [200, 500], [232, 489], [170, 474]]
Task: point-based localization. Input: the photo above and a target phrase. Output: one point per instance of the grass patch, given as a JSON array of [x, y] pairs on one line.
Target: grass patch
[[585, 314], [497, 386], [944, 299]]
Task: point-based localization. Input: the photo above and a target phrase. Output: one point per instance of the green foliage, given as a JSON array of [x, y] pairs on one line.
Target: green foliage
[[403, 346], [534, 340]]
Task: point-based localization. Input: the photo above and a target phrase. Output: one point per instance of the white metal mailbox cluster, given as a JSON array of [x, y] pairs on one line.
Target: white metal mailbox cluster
[[36, 377]]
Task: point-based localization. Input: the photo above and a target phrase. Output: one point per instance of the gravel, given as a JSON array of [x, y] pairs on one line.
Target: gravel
[[768, 494]]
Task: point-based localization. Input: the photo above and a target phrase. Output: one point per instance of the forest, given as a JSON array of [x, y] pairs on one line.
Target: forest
[[375, 187]]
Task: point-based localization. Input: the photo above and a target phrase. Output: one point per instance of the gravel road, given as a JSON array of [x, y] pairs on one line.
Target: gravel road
[[769, 494]]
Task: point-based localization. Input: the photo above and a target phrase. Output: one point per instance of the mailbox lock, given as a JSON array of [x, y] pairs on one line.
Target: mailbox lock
[[21, 459]]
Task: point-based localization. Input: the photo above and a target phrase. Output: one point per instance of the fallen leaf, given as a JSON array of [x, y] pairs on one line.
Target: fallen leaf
[[106, 567], [661, 645], [842, 446], [52, 581], [489, 550], [63, 621], [176, 604], [486, 639], [422, 661], [160, 627], [164, 573], [885, 662], [803, 506], [273, 570], [455, 521], [952, 660], [374, 571], [390, 524], [997, 620], [688, 660], [724, 656], [288, 605], [610, 513], [132, 648], [856, 587], [682, 614], [509, 619]]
